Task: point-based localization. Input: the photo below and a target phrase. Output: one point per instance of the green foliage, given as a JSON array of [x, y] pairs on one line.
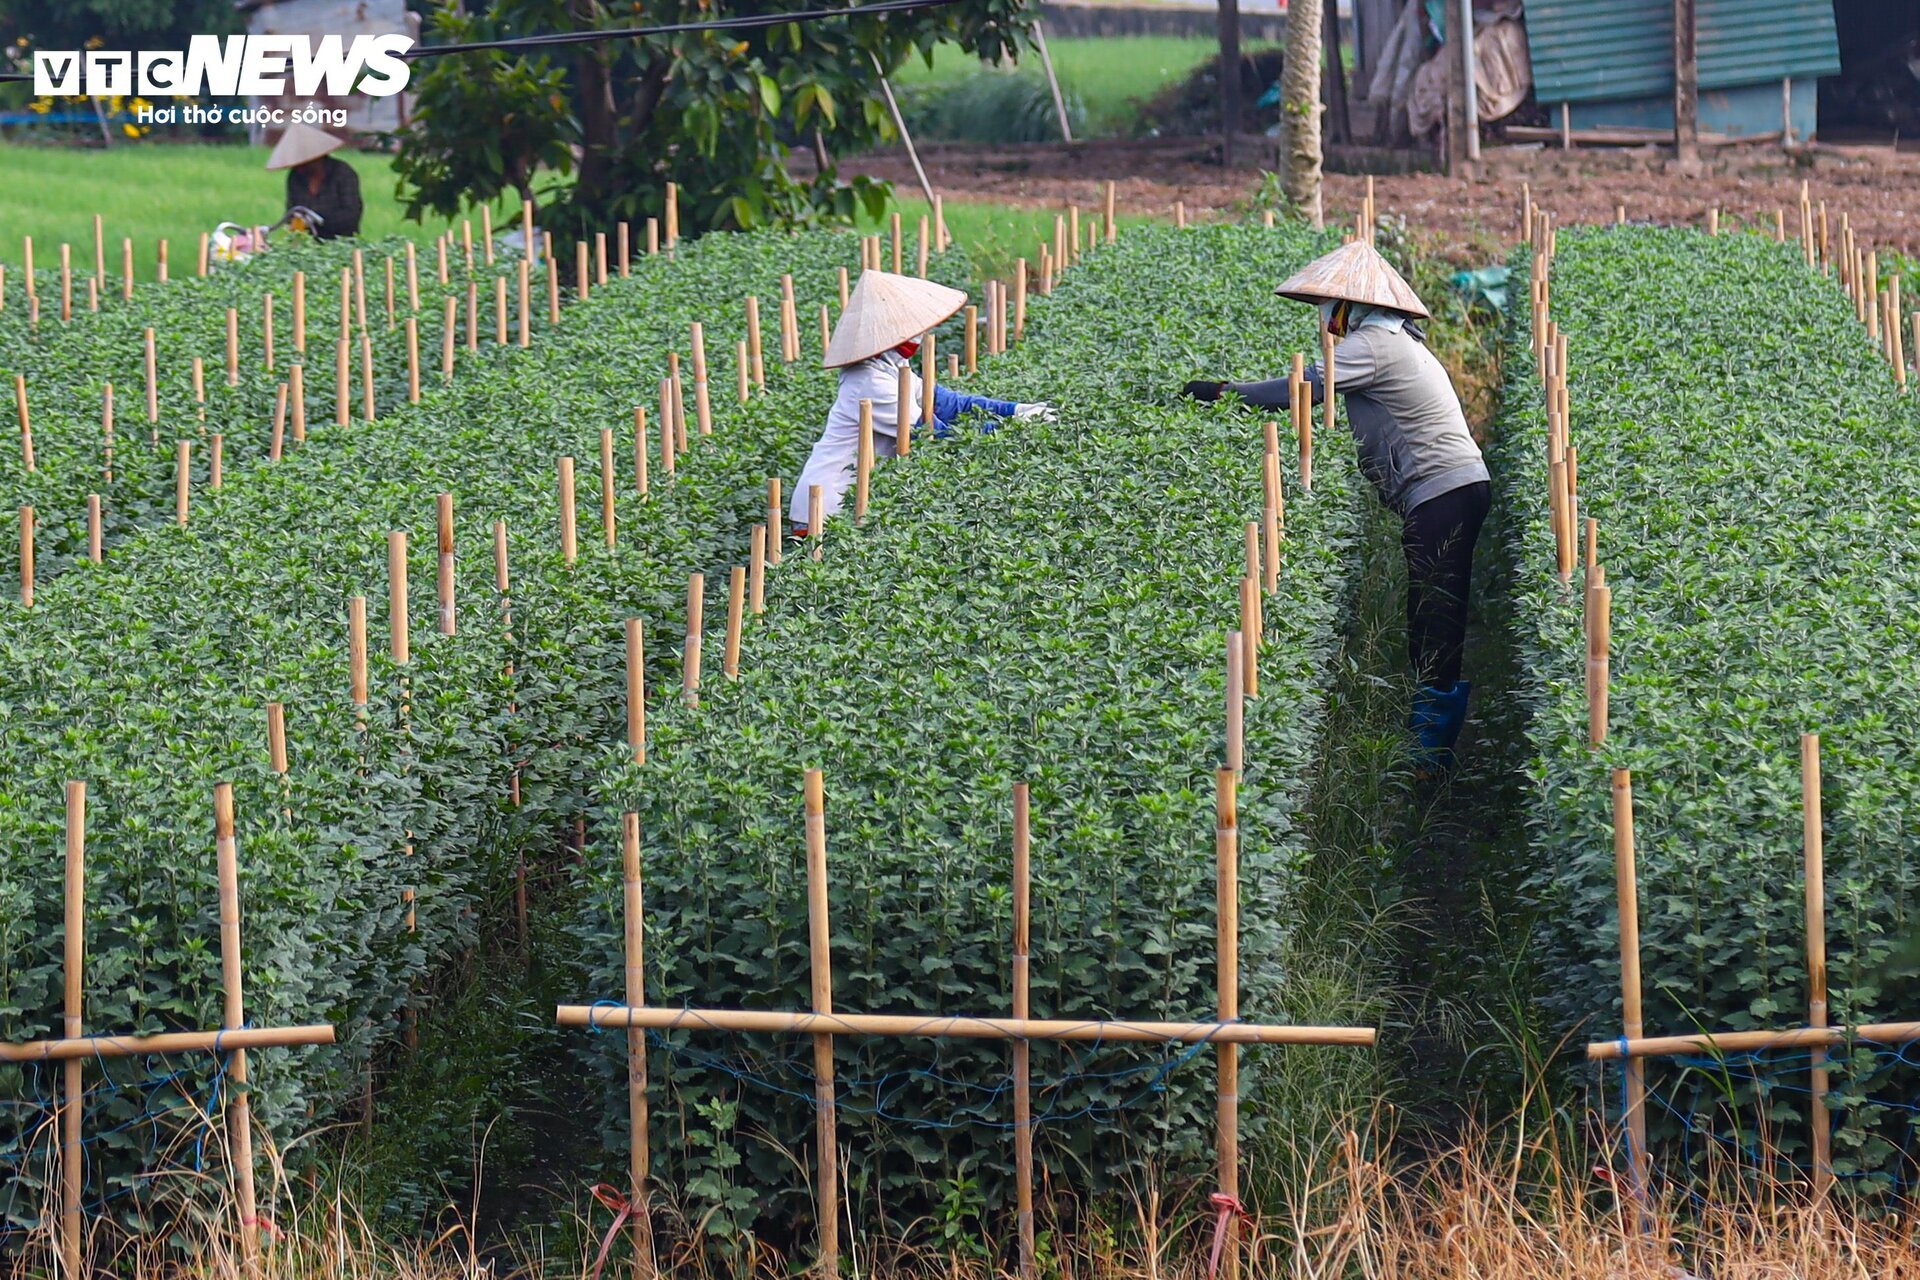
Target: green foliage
[[147, 676], [1752, 469], [1047, 603], [989, 106]]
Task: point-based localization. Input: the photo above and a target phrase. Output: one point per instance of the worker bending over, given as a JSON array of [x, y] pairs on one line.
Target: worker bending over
[[1416, 449], [879, 332], [318, 181]]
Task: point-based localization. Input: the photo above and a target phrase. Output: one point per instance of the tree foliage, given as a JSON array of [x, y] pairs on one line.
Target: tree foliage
[[720, 112]]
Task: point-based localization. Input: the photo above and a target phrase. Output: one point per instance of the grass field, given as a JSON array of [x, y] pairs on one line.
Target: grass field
[[177, 191], [1111, 75]]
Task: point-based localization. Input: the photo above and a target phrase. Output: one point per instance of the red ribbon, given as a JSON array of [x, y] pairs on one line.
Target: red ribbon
[[1226, 1209], [623, 1209]]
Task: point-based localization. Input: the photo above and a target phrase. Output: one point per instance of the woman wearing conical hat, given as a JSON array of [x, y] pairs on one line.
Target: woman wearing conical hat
[[879, 332], [317, 180], [1417, 451]]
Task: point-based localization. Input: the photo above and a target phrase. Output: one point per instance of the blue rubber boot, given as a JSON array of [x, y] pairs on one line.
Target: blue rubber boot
[[1435, 722]]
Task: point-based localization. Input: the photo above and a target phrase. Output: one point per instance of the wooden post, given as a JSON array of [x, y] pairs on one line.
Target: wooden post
[[1326, 382], [26, 557], [266, 331], [153, 379], [160, 264], [941, 238], [449, 327], [925, 249], [677, 388], [1813, 840], [816, 520], [736, 610], [636, 691], [863, 474], [214, 461], [789, 322], [569, 541], [826, 329], [696, 626], [399, 630], [599, 257], [608, 526], [553, 278], [1599, 647], [899, 261], [233, 1016], [1301, 400], [928, 376], [702, 406], [653, 236], [106, 431], [1627, 889], [1250, 628], [775, 514], [202, 260], [1108, 226], [360, 288], [126, 268], [1686, 84], [1020, 300], [636, 996], [357, 649], [843, 289], [973, 338], [26, 421], [1236, 702], [182, 481], [753, 341], [640, 449], [673, 215], [297, 401], [757, 571], [623, 236], [1226, 844], [581, 275], [743, 371], [500, 311], [368, 410], [524, 284], [413, 361], [73, 1094], [1022, 1009], [668, 453], [93, 528], [826, 1144], [390, 291]]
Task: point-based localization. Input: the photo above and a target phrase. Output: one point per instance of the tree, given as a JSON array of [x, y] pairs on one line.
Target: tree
[[1300, 110], [719, 112], [116, 24]]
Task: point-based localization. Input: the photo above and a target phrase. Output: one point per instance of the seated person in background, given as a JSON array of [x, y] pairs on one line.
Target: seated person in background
[[318, 181]]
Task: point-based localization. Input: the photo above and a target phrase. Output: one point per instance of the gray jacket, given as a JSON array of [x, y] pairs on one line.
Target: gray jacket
[[1401, 407]]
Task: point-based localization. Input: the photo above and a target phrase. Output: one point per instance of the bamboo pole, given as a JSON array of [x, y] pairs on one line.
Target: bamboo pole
[[443, 581], [973, 338], [106, 431], [743, 371], [553, 278], [702, 406], [636, 690], [297, 401], [368, 411], [413, 278], [449, 326], [962, 1027], [1729, 1042], [413, 361], [1020, 300], [623, 236], [826, 1145], [633, 913], [160, 263], [608, 526], [736, 609], [66, 283], [928, 377], [440, 252], [1250, 623], [1227, 980], [1108, 226], [73, 1093], [924, 249], [863, 474], [1632, 1028], [775, 534], [300, 313], [581, 274], [600, 258], [390, 292], [667, 451], [399, 635], [816, 520], [523, 275], [1270, 512], [569, 539], [214, 461], [500, 311], [99, 251], [182, 481], [26, 557], [1813, 840], [789, 322], [233, 1017], [266, 331], [26, 422], [673, 215], [153, 377], [826, 329], [640, 450], [1301, 399], [1236, 702], [753, 341], [360, 288], [653, 236], [1599, 647], [126, 268], [1327, 384], [690, 655], [1022, 1010], [93, 528], [357, 651]]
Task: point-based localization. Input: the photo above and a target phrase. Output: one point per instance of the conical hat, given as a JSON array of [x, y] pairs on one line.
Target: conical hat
[[1355, 272], [301, 143], [885, 311]]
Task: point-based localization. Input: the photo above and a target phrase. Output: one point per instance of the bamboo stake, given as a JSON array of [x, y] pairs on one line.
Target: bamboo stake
[[953, 365], [266, 331], [702, 406], [941, 237], [200, 387], [903, 409], [443, 581], [789, 322], [640, 449], [667, 451], [153, 378], [690, 655], [925, 243], [73, 1094], [523, 275], [1022, 1010], [413, 361], [623, 236], [743, 371], [757, 571], [413, 278], [653, 236], [160, 265], [1250, 627], [357, 651], [1108, 226], [500, 311], [367, 407], [1227, 980], [1302, 401], [486, 233], [1599, 648], [214, 462], [816, 520], [679, 405], [233, 1017], [553, 278], [1814, 846], [973, 338], [753, 341], [94, 532], [863, 475], [390, 291], [297, 401], [899, 261], [26, 557], [26, 421], [928, 376], [581, 274], [607, 522], [182, 479], [1635, 1117], [1327, 384], [106, 431], [636, 691], [600, 258], [673, 215], [633, 913], [360, 288], [826, 329], [775, 535], [1236, 702], [569, 541], [826, 1144], [1020, 300], [449, 324], [736, 608], [1270, 514], [440, 252]]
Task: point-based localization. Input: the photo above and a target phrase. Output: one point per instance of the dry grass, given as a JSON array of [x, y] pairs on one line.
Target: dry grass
[[1493, 1208]]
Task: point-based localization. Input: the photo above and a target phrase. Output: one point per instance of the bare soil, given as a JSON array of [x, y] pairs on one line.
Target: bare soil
[[1877, 186]]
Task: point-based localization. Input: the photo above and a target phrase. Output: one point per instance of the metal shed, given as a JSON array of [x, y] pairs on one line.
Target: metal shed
[[1612, 61]]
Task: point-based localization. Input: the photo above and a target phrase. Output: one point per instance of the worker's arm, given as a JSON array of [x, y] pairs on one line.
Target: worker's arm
[[1354, 369], [949, 404]]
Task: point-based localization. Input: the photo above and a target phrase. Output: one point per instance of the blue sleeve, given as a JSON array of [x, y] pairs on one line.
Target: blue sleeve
[[949, 404]]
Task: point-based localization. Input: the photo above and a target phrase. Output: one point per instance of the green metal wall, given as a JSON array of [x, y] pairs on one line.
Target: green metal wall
[[1598, 50]]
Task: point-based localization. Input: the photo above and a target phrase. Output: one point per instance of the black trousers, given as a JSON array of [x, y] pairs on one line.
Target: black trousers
[[1438, 537]]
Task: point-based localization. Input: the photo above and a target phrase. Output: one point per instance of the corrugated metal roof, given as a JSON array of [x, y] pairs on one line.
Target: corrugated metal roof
[[1584, 51]]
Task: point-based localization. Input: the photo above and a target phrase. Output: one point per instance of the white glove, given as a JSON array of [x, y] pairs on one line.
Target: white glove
[[1039, 409]]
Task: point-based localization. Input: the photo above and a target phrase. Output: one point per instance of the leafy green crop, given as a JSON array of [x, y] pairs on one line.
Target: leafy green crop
[[1046, 602], [148, 676], [1756, 479]]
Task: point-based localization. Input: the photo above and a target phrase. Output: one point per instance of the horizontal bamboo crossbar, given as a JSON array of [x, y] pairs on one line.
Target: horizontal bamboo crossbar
[[1753, 1041], [166, 1042], [887, 1024]]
